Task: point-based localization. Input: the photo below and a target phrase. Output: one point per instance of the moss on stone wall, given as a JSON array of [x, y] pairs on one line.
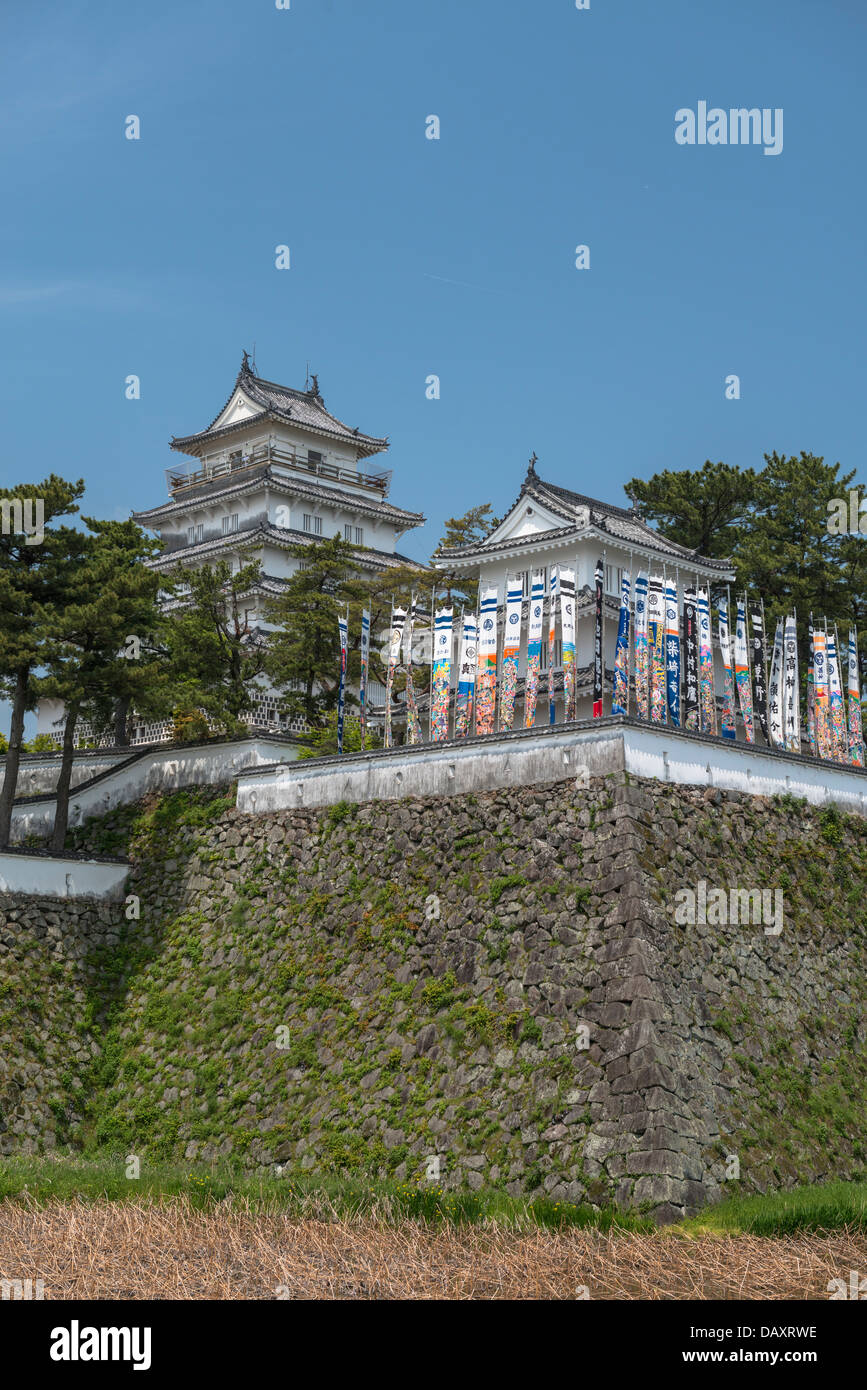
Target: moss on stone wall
[[366, 988]]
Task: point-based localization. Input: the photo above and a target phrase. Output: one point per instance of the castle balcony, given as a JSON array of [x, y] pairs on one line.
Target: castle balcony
[[240, 465]]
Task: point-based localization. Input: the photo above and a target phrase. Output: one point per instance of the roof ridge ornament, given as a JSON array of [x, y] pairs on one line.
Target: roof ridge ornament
[[531, 466]]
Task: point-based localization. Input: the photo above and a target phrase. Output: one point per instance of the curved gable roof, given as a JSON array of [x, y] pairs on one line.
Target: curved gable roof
[[304, 409]]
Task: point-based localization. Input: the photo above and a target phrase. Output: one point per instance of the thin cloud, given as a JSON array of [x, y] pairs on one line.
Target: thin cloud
[[75, 294]]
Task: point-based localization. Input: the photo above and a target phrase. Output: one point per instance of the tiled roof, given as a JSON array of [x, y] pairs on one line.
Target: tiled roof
[[305, 409], [282, 536], [280, 482], [576, 509]]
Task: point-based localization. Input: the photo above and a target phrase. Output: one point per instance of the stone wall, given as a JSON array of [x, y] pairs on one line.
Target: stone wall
[[362, 988]]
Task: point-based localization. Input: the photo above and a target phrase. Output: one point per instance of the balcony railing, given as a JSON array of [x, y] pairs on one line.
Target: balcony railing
[[238, 464]]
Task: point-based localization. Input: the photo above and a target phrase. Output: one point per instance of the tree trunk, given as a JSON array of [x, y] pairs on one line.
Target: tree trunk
[[121, 722], [61, 813], [13, 756]]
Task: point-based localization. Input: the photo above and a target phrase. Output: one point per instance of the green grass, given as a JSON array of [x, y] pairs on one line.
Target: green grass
[[819, 1208], [824, 1207], [67, 1178]]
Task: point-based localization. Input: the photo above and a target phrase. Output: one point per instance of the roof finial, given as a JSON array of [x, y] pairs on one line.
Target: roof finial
[[531, 466], [314, 389], [245, 361]]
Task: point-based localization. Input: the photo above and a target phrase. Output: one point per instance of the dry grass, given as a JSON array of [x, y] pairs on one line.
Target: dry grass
[[171, 1250]]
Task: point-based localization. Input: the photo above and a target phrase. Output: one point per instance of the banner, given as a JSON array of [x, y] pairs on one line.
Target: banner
[[835, 702], [486, 681], [466, 676], [727, 721], [511, 651], [791, 697], [552, 639], [620, 696], [413, 731], [398, 618], [642, 687], [856, 733], [672, 652], [441, 675], [534, 648], [567, 639], [362, 684], [655, 648], [742, 673], [343, 630], [811, 695], [598, 655], [820, 686], [760, 684], [706, 684], [690, 661], [776, 735]]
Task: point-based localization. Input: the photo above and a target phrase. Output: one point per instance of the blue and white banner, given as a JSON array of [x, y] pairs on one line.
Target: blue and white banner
[[671, 638], [343, 629]]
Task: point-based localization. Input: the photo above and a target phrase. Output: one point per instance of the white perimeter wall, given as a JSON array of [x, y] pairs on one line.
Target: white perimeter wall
[[38, 875], [541, 755], [163, 769]]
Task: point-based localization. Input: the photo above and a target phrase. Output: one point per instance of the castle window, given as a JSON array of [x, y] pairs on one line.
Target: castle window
[[230, 524], [359, 536], [347, 532]]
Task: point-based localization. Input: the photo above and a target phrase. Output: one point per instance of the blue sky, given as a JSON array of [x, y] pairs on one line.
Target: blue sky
[[410, 256]]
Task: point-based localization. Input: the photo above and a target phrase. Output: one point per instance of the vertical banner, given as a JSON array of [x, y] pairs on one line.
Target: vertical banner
[[362, 684], [820, 689], [534, 648], [642, 687], [567, 638], [690, 661], [791, 694], [835, 702], [672, 651], [742, 673], [413, 732], [760, 687], [706, 685], [727, 720], [486, 680], [620, 696], [776, 734], [511, 651], [598, 655], [343, 630], [441, 675], [398, 618], [552, 639], [811, 695], [856, 733], [466, 676], [655, 648]]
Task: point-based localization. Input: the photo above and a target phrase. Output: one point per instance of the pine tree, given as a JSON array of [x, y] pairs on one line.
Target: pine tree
[[32, 582], [304, 652], [110, 595], [216, 655], [705, 510]]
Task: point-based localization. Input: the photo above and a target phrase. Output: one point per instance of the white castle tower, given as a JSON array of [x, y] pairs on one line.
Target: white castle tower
[[272, 469]]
